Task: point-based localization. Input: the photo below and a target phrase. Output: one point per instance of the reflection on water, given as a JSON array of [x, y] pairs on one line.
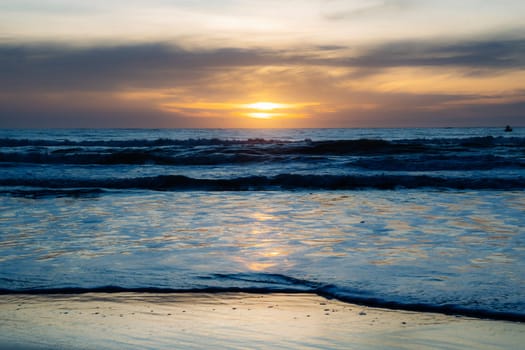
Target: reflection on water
[[438, 244]]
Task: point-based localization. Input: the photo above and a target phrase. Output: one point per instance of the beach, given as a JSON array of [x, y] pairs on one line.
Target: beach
[[235, 321], [262, 175], [265, 239]]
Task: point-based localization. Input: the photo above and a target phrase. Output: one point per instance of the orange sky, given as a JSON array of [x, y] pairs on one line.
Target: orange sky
[[242, 63]]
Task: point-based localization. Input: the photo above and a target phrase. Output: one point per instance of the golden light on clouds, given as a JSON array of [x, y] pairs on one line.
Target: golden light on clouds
[[266, 106], [273, 110], [261, 115], [263, 110], [248, 64]]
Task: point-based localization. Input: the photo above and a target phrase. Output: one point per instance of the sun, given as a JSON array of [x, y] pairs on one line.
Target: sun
[[265, 106], [268, 113], [264, 110]]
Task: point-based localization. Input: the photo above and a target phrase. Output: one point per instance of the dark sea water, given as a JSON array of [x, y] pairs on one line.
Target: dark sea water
[[426, 219]]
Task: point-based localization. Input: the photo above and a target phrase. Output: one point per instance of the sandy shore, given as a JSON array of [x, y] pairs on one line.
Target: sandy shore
[[234, 321]]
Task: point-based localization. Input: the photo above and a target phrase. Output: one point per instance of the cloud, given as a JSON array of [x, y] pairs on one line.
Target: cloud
[[107, 67], [87, 110], [52, 85], [41, 66], [505, 53]]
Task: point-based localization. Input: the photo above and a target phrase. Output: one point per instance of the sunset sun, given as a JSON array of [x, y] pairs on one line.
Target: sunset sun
[[264, 110], [265, 106]]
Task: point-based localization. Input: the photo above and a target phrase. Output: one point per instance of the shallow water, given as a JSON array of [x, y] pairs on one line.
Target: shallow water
[[432, 247]]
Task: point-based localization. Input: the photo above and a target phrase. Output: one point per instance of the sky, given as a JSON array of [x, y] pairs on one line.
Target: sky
[[247, 63]]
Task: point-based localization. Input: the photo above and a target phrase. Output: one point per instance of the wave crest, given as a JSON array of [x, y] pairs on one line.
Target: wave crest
[[261, 183]]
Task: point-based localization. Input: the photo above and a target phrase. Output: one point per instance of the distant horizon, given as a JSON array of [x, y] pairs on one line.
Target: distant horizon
[[254, 64], [263, 128]]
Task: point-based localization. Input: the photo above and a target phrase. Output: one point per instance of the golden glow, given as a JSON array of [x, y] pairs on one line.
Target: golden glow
[[258, 266], [265, 110], [272, 254], [260, 115], [418, 80], [266, 106], [262, 216], [201, 106]]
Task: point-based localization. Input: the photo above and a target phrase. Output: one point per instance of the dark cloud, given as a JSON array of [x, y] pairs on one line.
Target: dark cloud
[[331, 47], [32, 112], [489, 54], [108, 67], [163, 65]]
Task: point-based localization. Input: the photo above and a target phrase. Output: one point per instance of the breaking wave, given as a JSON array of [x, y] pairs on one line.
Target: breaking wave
[[217, 151], [262, 283], [257, 183]]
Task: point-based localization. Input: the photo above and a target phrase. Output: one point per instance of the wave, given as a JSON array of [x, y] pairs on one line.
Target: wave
[[477, 141], [55, 193], [276, 283], [218, 151], [439, 163], [138, 157], [11, 142], [385, 163], [19, 186]]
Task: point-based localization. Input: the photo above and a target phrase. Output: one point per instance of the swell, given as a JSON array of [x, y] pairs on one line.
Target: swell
[[76, 156], [260, 183], [326, 291], [314, 146], [415, 162], [439, 163], [11, 142], [217, 151]]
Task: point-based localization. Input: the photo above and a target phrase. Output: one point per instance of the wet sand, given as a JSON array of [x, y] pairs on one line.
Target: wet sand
[[234, 321]]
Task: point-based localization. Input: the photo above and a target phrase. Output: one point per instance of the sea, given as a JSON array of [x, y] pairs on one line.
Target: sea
[[428, 219]]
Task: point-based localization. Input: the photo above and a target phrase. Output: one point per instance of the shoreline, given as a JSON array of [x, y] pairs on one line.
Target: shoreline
[[451, 310], [131, 320]]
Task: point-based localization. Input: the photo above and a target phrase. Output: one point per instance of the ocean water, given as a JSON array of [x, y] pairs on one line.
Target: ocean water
[[425, 219]]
